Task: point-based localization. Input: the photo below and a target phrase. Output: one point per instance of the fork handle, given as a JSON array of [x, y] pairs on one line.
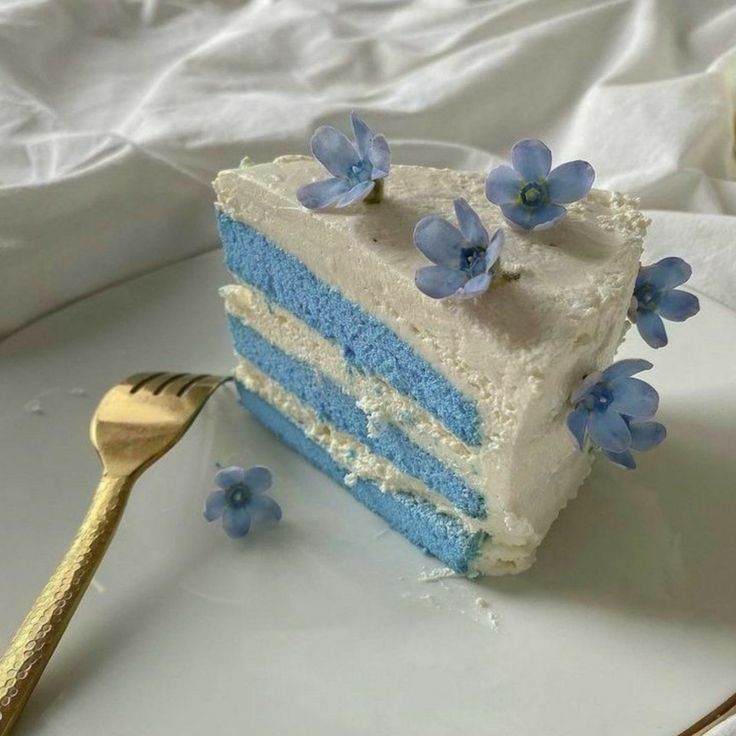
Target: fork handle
[[35, 641]]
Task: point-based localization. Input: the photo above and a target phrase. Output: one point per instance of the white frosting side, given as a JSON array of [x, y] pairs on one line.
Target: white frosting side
[[517, 351]]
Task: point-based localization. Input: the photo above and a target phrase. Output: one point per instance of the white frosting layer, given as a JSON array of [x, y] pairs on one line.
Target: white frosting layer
[[500, 553], [517, 351], [377, 398], [345, 450]]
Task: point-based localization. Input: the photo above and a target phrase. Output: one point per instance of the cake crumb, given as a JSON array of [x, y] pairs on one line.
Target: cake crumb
[[487, 617], [438, 573], [33, 407]]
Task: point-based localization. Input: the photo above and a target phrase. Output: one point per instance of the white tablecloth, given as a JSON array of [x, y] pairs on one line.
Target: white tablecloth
[[116, 115]]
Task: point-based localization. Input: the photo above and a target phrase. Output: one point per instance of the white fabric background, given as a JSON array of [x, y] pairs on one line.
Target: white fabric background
[[116, 115]]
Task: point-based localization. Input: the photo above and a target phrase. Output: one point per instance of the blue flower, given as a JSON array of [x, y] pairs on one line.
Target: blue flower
[[464, 258], [655, 297], [613, 408], [356, 168], [529, 194], [241, 499]]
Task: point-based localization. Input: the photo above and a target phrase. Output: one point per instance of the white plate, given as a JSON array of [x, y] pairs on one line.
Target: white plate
[[627, 623]]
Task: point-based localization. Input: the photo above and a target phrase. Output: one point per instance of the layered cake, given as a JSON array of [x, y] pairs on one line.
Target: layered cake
[[451, 418]]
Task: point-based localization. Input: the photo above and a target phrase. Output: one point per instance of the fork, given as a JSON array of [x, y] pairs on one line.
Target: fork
[[136, 423]]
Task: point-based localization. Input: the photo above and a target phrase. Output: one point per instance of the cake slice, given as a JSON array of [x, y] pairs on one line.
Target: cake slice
[[446, 418]]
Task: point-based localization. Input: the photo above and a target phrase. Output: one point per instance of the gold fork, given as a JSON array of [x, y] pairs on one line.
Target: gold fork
[[136, 422]]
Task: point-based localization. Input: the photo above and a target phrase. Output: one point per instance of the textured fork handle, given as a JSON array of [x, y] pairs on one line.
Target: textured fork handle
[[35, 641]]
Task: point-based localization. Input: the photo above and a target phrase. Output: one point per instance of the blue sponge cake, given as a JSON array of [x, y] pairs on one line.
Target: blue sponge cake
[[447, 418]]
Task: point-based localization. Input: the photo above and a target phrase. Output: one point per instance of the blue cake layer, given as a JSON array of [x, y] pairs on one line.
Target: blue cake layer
[[333, 405], [367, 343], [417, 520]]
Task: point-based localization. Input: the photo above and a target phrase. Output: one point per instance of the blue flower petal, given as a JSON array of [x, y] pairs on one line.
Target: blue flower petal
[[215, 505], [624, 459], [470, 225], [321, 194], [577, 422], [665, 274], [634, 397], [258, 479], [646, 435], [229, 476], [609, 431], [264, 509], [570, 182], [532, 159], [359, 191], [651, 328], [503, 185], [363, 136], [439, 282], [439, 240], [236, 522], [678, 305], [495, 246], [334, 150], [474, 287], [625, 368], [642, 277], [380, 157], [584, 386], [529, 218]]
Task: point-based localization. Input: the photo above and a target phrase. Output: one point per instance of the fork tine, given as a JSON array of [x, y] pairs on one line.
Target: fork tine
[[157, 386], [214, 381], [183, 384], [138, 380], [205, 384]]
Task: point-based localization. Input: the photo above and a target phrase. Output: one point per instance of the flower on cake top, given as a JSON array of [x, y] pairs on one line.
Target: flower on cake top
[[529, 194], [357, 169], [655, 297], [241, 499], [613, 409], [464, 258]]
